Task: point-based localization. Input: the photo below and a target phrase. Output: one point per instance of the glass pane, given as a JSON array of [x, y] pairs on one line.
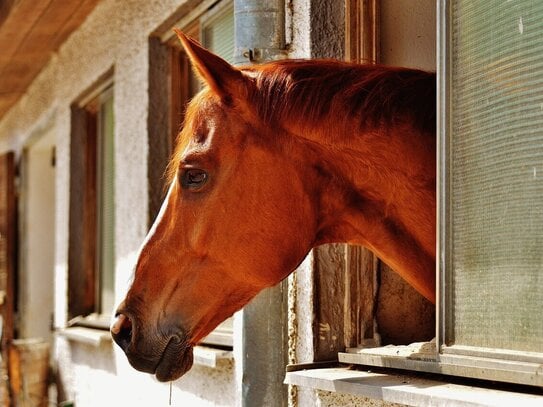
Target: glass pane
[[107, 206], [219, 35], [496, 162]]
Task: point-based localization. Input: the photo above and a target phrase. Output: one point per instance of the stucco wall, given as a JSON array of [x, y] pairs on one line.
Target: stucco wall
[[115, 35], [408, 33]]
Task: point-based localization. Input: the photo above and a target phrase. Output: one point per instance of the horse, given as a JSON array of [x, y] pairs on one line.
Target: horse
[[273, 160]]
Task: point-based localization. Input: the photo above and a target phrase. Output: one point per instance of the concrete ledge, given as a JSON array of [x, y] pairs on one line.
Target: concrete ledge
[[210, 357], [408, 389], [90, 336], [203, 355]]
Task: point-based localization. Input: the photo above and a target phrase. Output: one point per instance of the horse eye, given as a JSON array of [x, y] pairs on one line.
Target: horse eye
[[193, 178]]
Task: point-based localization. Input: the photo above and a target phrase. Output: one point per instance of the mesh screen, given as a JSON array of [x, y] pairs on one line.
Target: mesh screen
[[497, 174], [107, 206], [219, 36]]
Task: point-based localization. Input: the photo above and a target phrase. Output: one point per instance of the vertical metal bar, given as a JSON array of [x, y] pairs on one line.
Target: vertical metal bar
[[259, 30], [265, 349], [260, 36]]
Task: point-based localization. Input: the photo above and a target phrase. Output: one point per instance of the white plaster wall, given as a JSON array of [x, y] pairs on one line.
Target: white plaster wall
[[109, 381], [114, 35], [408, 33]]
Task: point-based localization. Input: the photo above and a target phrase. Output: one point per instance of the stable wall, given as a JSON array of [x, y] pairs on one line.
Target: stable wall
[[115, 35]]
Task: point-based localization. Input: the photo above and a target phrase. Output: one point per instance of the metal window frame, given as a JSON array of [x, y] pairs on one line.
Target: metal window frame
[[505, 365]]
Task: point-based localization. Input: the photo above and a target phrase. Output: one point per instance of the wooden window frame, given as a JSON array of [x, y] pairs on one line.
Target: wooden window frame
[[171, 84], [8, 263], [84, 308], [353, 289]]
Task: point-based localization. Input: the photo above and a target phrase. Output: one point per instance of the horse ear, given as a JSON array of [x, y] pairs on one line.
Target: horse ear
[[223, 79]]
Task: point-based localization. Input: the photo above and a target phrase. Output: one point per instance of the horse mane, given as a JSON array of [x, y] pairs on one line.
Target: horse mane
[[312, 91], [317, 90]]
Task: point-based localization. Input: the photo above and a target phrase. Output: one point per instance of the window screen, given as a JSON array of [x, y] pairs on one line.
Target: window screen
[[496, 179], [106, 204], [218, 35]]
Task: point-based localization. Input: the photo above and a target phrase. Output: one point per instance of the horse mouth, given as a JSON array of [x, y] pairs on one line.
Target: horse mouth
[[176, 360]]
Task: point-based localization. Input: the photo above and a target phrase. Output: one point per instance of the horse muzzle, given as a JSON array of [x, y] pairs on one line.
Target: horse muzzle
[[166, 356]]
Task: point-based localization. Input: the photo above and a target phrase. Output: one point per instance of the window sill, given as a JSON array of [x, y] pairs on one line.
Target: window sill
[[523, 368], [203, 355], [89, 336], [407, 389], [211, 357]]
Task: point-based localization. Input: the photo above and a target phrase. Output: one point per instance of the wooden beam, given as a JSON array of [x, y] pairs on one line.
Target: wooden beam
[[23, 16], [30, 32]]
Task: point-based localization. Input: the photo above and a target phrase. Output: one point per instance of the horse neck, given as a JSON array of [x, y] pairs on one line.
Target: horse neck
[[377, 189]]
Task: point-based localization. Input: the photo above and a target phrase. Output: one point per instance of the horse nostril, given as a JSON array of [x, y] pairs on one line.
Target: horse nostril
[[121, 330]]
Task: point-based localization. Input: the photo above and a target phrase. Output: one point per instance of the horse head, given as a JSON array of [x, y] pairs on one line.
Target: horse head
[[238, 217], [272, 161]]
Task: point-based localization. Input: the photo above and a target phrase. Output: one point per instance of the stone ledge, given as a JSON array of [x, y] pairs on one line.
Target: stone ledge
[[408, 389], [203, 355]]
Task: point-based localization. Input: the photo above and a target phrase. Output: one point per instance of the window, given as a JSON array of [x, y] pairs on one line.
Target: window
[[491, 210], [360, 300], [492, 219], [171, 84], [92, 207]]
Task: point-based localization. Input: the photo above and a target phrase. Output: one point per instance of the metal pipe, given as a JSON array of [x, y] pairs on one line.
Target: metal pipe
[[259, 30], [260, 36]]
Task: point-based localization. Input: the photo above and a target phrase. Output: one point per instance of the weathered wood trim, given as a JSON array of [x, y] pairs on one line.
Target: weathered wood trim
[[329, 308], [362, 27], [82, 222], [360, 296], [158, 123], [8, 256], [345, 283], [362, 41]]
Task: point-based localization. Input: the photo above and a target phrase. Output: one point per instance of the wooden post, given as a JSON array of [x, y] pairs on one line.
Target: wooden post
[[8, 222]]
